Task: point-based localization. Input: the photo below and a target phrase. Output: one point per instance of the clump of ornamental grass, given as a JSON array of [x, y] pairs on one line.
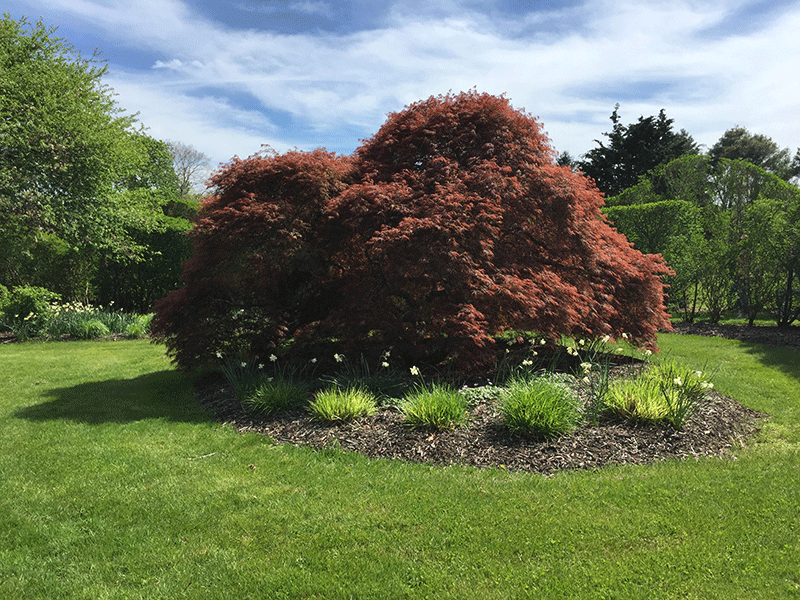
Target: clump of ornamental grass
[[434, 406], [539, 407], [665, 393], [273, 394], [342, 404]]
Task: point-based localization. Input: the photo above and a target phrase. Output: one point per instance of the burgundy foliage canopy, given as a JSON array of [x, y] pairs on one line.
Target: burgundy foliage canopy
[[452, 224]]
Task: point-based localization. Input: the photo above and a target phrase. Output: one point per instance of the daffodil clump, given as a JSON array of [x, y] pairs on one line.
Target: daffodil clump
[[85, 321], [33, 312]]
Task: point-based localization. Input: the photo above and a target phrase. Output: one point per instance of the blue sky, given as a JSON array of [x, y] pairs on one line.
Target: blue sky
[[227, 77]]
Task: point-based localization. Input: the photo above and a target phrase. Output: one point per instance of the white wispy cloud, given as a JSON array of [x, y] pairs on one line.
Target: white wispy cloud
[[312, 8], [567, 66]]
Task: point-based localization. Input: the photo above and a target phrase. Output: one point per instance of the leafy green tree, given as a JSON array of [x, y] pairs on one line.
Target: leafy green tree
[[787, 300], [81, 187], [153, 170], [715, 270], [760, 257], [687, 253], [65, 145], [633, 150], [134, 282], [760, 150]]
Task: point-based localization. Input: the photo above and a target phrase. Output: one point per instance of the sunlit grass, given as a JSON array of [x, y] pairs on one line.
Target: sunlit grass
[[116, 485]]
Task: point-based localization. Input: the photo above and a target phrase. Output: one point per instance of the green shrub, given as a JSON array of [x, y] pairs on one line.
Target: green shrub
[[336, 404], [540, 407], [271, 394], [436, 406], [26, 310]]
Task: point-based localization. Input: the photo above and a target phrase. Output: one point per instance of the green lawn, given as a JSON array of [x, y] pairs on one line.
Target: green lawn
[[116, 485]]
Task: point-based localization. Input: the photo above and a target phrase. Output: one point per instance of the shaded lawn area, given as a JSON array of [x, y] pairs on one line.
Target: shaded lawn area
[[117, 485]]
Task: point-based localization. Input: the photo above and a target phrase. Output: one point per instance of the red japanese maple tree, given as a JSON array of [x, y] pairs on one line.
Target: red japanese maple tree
[[452, 224]]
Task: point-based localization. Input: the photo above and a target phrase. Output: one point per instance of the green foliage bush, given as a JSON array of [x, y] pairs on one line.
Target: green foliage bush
[[336, 404], [135, 285], [540, 407], [26, 310]]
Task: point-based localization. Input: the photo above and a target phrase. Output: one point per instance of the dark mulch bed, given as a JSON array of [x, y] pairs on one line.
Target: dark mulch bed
[[720, 425]]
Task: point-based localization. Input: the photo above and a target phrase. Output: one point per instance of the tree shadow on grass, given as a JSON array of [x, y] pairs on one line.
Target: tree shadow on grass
[[785, 360], [771, 346], [162, 395]]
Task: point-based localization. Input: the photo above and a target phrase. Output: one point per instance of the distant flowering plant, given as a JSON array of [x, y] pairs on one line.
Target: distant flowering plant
[[241, 375]]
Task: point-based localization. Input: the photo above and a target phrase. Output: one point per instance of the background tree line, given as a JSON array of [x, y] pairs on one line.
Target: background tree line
[[727, 221]]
